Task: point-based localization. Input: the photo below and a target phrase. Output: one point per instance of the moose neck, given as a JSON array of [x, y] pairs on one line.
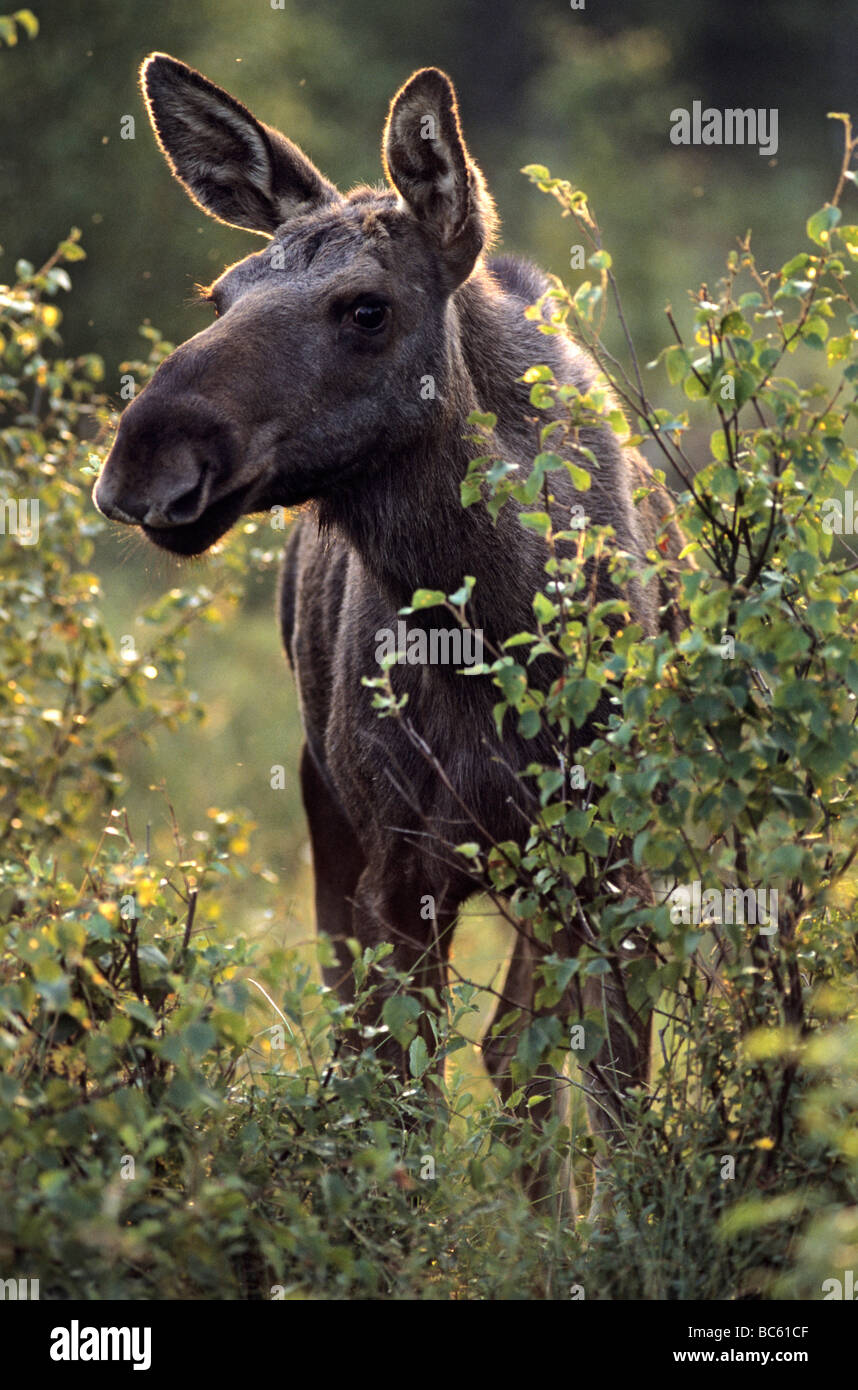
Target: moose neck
[[405, 517]]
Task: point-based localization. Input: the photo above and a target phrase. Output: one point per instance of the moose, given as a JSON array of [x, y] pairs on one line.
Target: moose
[[305, 392]]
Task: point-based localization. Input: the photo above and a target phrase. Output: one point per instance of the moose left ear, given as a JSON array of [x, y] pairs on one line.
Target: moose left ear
[[238, 169], [427, 162]]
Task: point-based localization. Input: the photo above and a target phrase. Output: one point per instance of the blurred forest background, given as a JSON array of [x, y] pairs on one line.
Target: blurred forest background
[[587, 92]]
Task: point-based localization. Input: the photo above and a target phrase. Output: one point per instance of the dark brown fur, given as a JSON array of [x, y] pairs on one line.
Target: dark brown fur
[[286, 399]]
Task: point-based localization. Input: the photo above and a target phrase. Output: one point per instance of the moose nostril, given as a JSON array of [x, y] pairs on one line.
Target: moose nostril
[[188, 502], [184, 507]]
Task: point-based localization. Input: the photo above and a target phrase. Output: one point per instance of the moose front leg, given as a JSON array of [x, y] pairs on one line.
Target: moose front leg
[[338, 862], [549, 1180], [390, 905], [622, 1061], [350, 903]]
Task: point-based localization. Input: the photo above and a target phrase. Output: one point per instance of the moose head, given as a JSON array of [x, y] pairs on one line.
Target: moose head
[[306, 376]]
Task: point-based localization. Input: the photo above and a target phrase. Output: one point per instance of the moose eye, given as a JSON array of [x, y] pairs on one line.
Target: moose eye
[[369, 315]]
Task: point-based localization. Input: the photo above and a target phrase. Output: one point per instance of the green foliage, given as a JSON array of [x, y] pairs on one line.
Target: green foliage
[[73, 694], [171, 1122], [728, 760], [11, 23]]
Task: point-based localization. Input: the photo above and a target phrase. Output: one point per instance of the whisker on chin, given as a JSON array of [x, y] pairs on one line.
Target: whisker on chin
[[198, 297]]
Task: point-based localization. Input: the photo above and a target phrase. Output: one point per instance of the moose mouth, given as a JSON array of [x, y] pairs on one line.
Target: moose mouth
[[196, 537]]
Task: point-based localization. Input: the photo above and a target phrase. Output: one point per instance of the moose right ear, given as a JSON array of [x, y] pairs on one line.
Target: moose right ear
[[428, 164], [239, 170]]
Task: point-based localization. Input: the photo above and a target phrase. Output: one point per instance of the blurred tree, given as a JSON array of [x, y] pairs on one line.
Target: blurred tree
[[588, 92]]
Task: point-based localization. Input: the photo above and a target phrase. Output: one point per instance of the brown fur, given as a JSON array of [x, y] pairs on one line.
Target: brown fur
[[287, 399]]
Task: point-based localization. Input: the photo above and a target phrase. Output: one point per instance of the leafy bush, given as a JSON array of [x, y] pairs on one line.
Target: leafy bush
[[158, 1139], [727, 768]]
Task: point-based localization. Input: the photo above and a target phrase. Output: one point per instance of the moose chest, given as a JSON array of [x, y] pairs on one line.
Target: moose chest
[[441, 763]]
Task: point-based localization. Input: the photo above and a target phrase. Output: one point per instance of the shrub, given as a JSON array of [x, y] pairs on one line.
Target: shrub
[[727, 767]]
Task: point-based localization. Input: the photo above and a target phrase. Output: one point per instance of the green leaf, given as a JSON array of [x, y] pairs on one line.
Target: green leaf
[[581, 698], [542, 1035], [797, 263], [140, 1011], [28, 22], [537, 172], [418, 1057], [529, 723], [595, 841], [545, 610], [838, 349], [820, 224], [536, 521], [849, 237], [512, 680], [425, 598], [463, 594], [580, 477], [484, 418], [677, 361], [695, 388], [200, 1037], [734, 323], [399, 1014]]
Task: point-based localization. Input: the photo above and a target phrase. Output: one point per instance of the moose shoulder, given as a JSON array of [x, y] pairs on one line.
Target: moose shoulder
[[339, 372]]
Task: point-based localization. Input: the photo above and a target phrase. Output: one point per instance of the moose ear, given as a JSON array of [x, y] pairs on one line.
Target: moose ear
[[427, 162], [237, 169]]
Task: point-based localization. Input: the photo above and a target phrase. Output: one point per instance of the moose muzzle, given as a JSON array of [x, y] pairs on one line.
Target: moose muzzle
[[171, 462]]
